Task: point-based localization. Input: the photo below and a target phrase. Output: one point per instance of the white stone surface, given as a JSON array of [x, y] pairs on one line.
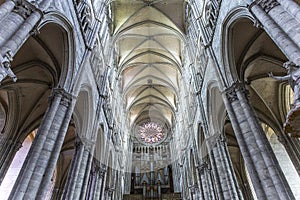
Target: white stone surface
[[13, 171]]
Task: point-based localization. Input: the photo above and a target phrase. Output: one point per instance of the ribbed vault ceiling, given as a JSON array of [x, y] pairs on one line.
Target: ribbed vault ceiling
[[149, 41]]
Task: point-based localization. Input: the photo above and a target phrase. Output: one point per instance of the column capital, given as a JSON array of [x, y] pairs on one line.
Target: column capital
[[102, 174], [66, 99], [194, 188], [266, 5], [24, 8], [102, 170], [77, 144], [222, 139], [88, 143], [201, 168], [231, 94], [5, 64], [240, 87]]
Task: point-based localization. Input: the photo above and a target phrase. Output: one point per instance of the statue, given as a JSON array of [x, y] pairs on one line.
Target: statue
[[293, 77], [5, 69], [291, 126]]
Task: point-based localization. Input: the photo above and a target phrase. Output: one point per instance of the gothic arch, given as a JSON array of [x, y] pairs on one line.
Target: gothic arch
[[215, 108], [245, 50], [64, 28], [40, 65], [83, 112], [100, 145], [226, 44]]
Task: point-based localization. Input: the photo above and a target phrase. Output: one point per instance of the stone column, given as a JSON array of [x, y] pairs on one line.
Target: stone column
[[86, 180], [81, 174], [73, 171], [91, 182], [103, 176], [198, 179], [202, 184], [43, 190], [264, 170], [21, 20], [6, 8], [189, 177], [209, 181], [97, 186], [292, 7], [42, 155], [268, 155], [229, 186], [280, 26]]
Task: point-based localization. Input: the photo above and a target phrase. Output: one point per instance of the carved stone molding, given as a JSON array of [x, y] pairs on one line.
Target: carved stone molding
[[5, 65], [194, 188], [102, 173], [202, 167], [267, 5], [66, 99], [241, 88], [78, 143], [24, 8], [231, 94], [212, 8]]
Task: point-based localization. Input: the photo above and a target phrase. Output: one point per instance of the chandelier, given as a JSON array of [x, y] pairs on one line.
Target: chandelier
[[151, 133]]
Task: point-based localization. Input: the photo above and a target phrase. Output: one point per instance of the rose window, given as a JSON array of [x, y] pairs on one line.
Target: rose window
[[151, 133]]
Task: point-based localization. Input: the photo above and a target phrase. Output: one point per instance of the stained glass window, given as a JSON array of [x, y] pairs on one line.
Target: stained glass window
[[151, 133]]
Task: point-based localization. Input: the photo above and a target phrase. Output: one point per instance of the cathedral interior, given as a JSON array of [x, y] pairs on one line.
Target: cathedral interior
[[150, 99]]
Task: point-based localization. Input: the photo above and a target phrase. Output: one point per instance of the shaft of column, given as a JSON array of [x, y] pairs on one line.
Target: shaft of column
[[73, 175], [77, 147], [104, 177], [290, 49], [98, 185], [6, 8], [261, 166], [202, 184], [238, 123], [287, 22], [209, 180], [31, 160], [227, 182], [81, 173], [49, 170], [276, 174], [44, 157], [87, 176], [226, 162], [199, 183], [91, 184], [216, 176], [231, 169], [292, 7], [16, 36]]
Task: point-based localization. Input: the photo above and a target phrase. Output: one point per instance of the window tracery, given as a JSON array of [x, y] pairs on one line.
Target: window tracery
[[151, 133]]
